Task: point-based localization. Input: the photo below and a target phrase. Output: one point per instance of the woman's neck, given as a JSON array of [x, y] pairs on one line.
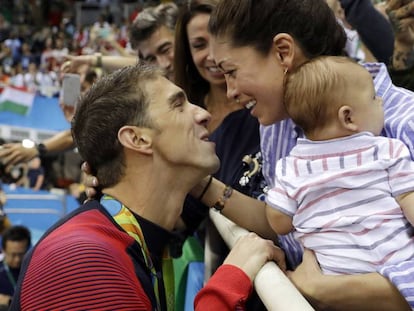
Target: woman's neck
[[219, 106]]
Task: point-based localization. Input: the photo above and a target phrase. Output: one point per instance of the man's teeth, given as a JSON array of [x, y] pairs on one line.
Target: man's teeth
[[250, 104]]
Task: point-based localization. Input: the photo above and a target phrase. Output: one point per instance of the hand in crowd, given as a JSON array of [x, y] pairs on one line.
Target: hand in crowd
[[68, 111], [14, 153], [251, 252], [401, 15], [77, 64]]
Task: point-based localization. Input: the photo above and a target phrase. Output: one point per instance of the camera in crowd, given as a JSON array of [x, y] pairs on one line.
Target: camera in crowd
[[13, 175]]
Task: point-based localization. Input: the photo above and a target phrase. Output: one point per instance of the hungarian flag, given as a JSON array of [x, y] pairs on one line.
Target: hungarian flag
[[16, 100]]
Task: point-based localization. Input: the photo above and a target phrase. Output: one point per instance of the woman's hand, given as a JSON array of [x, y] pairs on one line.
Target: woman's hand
[[90, 182], [14, 153]]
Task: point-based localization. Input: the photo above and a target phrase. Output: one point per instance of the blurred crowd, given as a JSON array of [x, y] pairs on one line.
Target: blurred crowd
[[31, 53]]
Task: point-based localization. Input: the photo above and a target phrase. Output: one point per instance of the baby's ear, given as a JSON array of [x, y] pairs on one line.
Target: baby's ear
[[136, 138], [346, 118]]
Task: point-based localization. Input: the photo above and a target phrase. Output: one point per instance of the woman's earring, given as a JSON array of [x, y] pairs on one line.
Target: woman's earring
[[285, 71]]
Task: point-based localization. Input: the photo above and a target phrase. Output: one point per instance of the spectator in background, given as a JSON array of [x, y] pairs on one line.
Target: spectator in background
[[4, 79], [32, 78], [152, 34], [41, 81], [17, 76], [4, 28], [6, 58], [27, 57], [369, 23], [15, 243], [59, 52], [46, 57], [14, 43], [35, 174], [4, 220], [80, 39], [101, 29]]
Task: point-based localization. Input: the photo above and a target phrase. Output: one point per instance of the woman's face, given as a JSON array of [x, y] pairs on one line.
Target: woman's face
[[199, 42], [254, 80]]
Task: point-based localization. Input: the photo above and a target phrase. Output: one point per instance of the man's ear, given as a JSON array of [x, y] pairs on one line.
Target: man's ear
[[346, 118], [284, 49], [136, 138]]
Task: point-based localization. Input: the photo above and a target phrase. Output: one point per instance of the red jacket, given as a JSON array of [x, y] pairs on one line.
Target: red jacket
[[87, 262], [227, 289]]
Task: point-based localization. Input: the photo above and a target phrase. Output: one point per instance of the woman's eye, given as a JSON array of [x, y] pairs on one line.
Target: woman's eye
[[198, 45]]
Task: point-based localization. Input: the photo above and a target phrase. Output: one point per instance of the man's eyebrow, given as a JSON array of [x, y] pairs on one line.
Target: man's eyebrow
[[163, 46], [179, 95]]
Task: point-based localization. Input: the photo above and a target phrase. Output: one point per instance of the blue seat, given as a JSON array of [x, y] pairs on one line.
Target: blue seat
[[37, 210]]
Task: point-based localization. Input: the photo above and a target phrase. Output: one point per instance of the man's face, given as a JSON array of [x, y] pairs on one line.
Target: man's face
[[159, 49], [14, 252], [181, 136]]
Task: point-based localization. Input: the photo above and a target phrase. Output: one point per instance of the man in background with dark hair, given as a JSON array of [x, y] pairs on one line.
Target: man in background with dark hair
[[15, 243]]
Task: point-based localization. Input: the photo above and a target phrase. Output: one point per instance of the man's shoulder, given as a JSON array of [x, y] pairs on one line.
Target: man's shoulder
[[88, 226]]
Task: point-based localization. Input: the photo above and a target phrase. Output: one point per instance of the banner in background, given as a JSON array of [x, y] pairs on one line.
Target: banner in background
[[16, 100]]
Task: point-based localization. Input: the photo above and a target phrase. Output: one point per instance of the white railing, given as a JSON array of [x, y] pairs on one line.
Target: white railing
[[273, 287]]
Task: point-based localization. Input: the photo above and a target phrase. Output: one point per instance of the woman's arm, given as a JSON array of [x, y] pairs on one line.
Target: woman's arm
[[280, 222], [15, 153], [243, 210], [370, 291], [107, 62]]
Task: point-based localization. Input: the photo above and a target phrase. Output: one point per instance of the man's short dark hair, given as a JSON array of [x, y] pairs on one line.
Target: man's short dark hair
[[150, 20], [16, 233]]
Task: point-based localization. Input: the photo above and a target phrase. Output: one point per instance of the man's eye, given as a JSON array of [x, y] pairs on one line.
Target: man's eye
[[179, 105], [166, 50]]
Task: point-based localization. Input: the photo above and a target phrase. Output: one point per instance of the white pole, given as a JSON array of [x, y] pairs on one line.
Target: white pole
[[273, 287]]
